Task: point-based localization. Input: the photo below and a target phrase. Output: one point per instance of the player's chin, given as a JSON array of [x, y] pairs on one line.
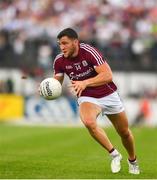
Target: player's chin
[[66, 55]]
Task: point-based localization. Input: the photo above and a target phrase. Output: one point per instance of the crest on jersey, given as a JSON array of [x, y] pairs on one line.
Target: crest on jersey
[[84, 63]]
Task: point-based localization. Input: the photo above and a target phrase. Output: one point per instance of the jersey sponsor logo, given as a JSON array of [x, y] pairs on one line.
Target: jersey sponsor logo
[[80, 75]]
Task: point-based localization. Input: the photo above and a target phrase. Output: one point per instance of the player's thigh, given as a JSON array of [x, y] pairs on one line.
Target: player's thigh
[[89, 111], [119, 121]]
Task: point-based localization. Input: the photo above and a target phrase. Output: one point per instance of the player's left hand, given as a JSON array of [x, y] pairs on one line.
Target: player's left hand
[[78, 86]]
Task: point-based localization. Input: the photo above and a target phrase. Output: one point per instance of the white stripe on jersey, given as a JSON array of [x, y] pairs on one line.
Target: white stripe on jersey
[[110, 88], [98, 61], [56, 58], [96, 55], [94, 50]]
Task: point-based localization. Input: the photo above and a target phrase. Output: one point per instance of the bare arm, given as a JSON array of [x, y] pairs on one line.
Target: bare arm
[[59, 78], [104, 76]]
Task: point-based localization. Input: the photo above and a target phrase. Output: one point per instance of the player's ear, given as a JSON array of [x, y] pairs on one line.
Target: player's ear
[[76, 41]]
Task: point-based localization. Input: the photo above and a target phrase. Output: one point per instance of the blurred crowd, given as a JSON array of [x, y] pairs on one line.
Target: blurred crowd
[[125, 31]]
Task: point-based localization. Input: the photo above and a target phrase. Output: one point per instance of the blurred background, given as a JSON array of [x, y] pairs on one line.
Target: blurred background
[[125, 31]]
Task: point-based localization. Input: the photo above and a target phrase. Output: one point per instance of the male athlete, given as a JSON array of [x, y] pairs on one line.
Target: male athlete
[[91, 79]]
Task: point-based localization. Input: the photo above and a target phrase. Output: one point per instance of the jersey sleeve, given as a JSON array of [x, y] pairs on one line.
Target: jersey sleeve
[[94, 55], [57, 66]]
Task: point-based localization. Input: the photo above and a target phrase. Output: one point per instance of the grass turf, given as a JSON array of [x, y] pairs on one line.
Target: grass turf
[[69, 153]]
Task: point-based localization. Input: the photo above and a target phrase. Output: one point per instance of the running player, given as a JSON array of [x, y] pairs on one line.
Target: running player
[[91, 79]]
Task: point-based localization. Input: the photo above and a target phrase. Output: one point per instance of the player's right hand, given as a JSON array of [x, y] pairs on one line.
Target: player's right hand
[[79, 86]]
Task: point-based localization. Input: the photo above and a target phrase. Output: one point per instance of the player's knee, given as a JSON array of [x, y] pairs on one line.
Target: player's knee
[[125, 134], [90, 123]]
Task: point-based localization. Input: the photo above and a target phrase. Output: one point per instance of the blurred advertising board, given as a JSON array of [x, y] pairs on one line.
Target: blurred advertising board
[[59, 111], [11, 107]]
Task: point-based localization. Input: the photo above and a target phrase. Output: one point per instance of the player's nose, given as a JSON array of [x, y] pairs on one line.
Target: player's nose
[[62, 47]]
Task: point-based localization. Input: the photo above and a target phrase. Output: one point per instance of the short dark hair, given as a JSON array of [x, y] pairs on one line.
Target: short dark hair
[[69, 32]]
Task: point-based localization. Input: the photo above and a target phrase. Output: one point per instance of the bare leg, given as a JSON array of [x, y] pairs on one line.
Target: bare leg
[[120, 123], [88, 114]]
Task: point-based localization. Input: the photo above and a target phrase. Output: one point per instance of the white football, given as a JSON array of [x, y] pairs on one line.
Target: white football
[[50, 88]]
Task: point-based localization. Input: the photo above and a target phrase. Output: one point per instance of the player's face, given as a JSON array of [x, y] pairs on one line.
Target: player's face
[[68, 46]]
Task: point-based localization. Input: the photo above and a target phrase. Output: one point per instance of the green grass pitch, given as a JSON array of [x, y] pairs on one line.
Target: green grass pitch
[[69, 153]]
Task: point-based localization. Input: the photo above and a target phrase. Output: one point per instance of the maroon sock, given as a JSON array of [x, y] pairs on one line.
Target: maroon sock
[[111, 150], [132, 160]]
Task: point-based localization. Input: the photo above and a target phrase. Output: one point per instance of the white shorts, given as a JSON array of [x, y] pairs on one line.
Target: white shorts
[[110, 104]]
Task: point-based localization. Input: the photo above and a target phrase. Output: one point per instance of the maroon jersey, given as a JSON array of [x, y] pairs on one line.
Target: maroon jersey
[[82, 67]]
